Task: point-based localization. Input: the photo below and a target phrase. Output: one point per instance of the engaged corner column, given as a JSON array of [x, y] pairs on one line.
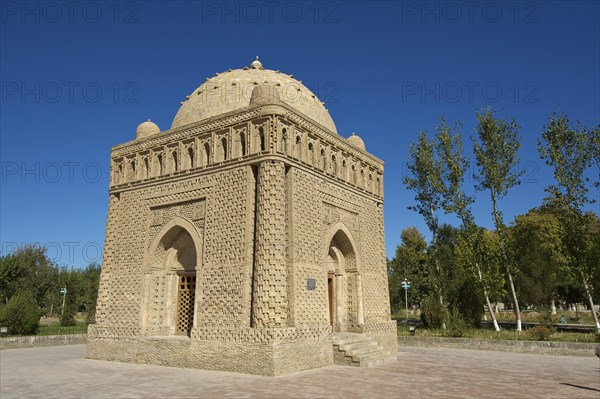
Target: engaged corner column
[[269, 294], [359, 296]]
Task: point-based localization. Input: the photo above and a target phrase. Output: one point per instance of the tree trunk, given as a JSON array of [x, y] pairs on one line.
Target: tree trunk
[[442, 303], [499, 224], [487, 299], [437, 264], [553, 307], [515, 301], [591, 300]]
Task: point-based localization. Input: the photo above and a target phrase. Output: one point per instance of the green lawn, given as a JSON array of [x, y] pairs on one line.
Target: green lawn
[[480, 333]]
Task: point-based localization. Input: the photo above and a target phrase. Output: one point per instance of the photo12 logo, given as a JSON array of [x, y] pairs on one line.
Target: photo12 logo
[[529, 172], [50, 172], [470, 92], [67, 252], [270, 12], [69, 12], [470, 12], [69, 92], [290, 93]]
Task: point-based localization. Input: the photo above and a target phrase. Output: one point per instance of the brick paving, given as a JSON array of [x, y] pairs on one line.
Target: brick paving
[[62, 372]]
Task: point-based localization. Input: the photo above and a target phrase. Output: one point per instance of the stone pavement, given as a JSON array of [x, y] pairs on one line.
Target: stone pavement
[[62, 372]]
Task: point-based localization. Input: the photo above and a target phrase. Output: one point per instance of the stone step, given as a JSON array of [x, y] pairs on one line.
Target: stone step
[[378, 362], [370, 356], [363, 351], [357, 345], [349, 339]]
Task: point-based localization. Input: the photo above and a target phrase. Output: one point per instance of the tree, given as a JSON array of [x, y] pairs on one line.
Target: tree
[[570, 152], [496, 151], [424, 180], [21, 314], [595, 144], [9, 274], [536, 240], [27, 270], [478, 251], [454, 200], [91, 281], [462, 293], [408, 263]]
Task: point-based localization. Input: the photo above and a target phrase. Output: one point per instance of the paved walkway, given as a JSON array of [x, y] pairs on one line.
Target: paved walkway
[[62, 372]]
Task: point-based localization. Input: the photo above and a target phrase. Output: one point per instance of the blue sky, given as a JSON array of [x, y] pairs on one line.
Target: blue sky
[[78, 77]]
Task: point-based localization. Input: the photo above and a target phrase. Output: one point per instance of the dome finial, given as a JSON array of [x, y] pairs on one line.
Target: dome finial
[[256, 64]]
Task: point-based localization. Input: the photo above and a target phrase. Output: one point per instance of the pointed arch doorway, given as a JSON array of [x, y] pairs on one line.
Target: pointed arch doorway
[[171, 289], [344, 281]]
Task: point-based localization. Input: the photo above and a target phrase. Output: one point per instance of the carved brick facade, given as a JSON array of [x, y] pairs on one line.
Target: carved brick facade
[[244, 240]]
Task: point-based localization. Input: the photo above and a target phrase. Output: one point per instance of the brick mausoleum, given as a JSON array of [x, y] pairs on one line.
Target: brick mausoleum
[[248, 237]]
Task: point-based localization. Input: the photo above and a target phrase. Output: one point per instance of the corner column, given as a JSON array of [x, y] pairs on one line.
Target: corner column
[[359, 296], [269, 294]]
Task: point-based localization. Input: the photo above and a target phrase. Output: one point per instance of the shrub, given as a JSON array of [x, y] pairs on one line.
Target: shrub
[[456, 324], [546, 319], [540, 333], [432, 312], [21, 314], [68, 316]]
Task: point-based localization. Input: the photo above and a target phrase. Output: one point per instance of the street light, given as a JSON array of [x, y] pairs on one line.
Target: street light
[[64, 292], [406, 286]]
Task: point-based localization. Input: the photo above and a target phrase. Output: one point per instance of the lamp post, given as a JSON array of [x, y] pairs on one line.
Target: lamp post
[[64, 292], [406, 286]]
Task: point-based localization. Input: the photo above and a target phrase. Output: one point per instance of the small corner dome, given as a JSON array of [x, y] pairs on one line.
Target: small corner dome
[[357, 142], [146, 129]]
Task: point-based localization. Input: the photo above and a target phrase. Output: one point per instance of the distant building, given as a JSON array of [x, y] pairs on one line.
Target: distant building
[[248, 237]]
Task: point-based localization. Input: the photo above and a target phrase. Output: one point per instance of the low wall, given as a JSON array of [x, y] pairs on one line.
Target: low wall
[[538, 347], [27, 341]]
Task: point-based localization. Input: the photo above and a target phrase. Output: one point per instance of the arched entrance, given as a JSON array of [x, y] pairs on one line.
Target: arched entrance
[[344, 284], [170, 290]]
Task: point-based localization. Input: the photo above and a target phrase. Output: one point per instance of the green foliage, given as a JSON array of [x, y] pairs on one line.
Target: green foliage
[[433, 313], [91, 281], [424, 179], [454, 165], [569, 151], [67, 318], [456, 325], [536, 241], [540, 333], [547, 319], [595, 148], [21, 314], [461, 289], [29, 271], [408, 263], [496, 150]]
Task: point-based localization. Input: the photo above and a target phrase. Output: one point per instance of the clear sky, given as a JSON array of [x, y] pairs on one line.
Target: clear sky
[[78, 77]]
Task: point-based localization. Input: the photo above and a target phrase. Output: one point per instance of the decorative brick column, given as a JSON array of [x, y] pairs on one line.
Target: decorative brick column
[[269, 296]]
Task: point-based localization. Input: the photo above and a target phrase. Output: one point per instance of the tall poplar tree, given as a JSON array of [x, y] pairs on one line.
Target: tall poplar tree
[[496, 151], [454, 200], [570, 151], [424, 179]]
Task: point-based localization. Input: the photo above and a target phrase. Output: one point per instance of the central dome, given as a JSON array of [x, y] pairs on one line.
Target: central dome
[[232, 90]]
